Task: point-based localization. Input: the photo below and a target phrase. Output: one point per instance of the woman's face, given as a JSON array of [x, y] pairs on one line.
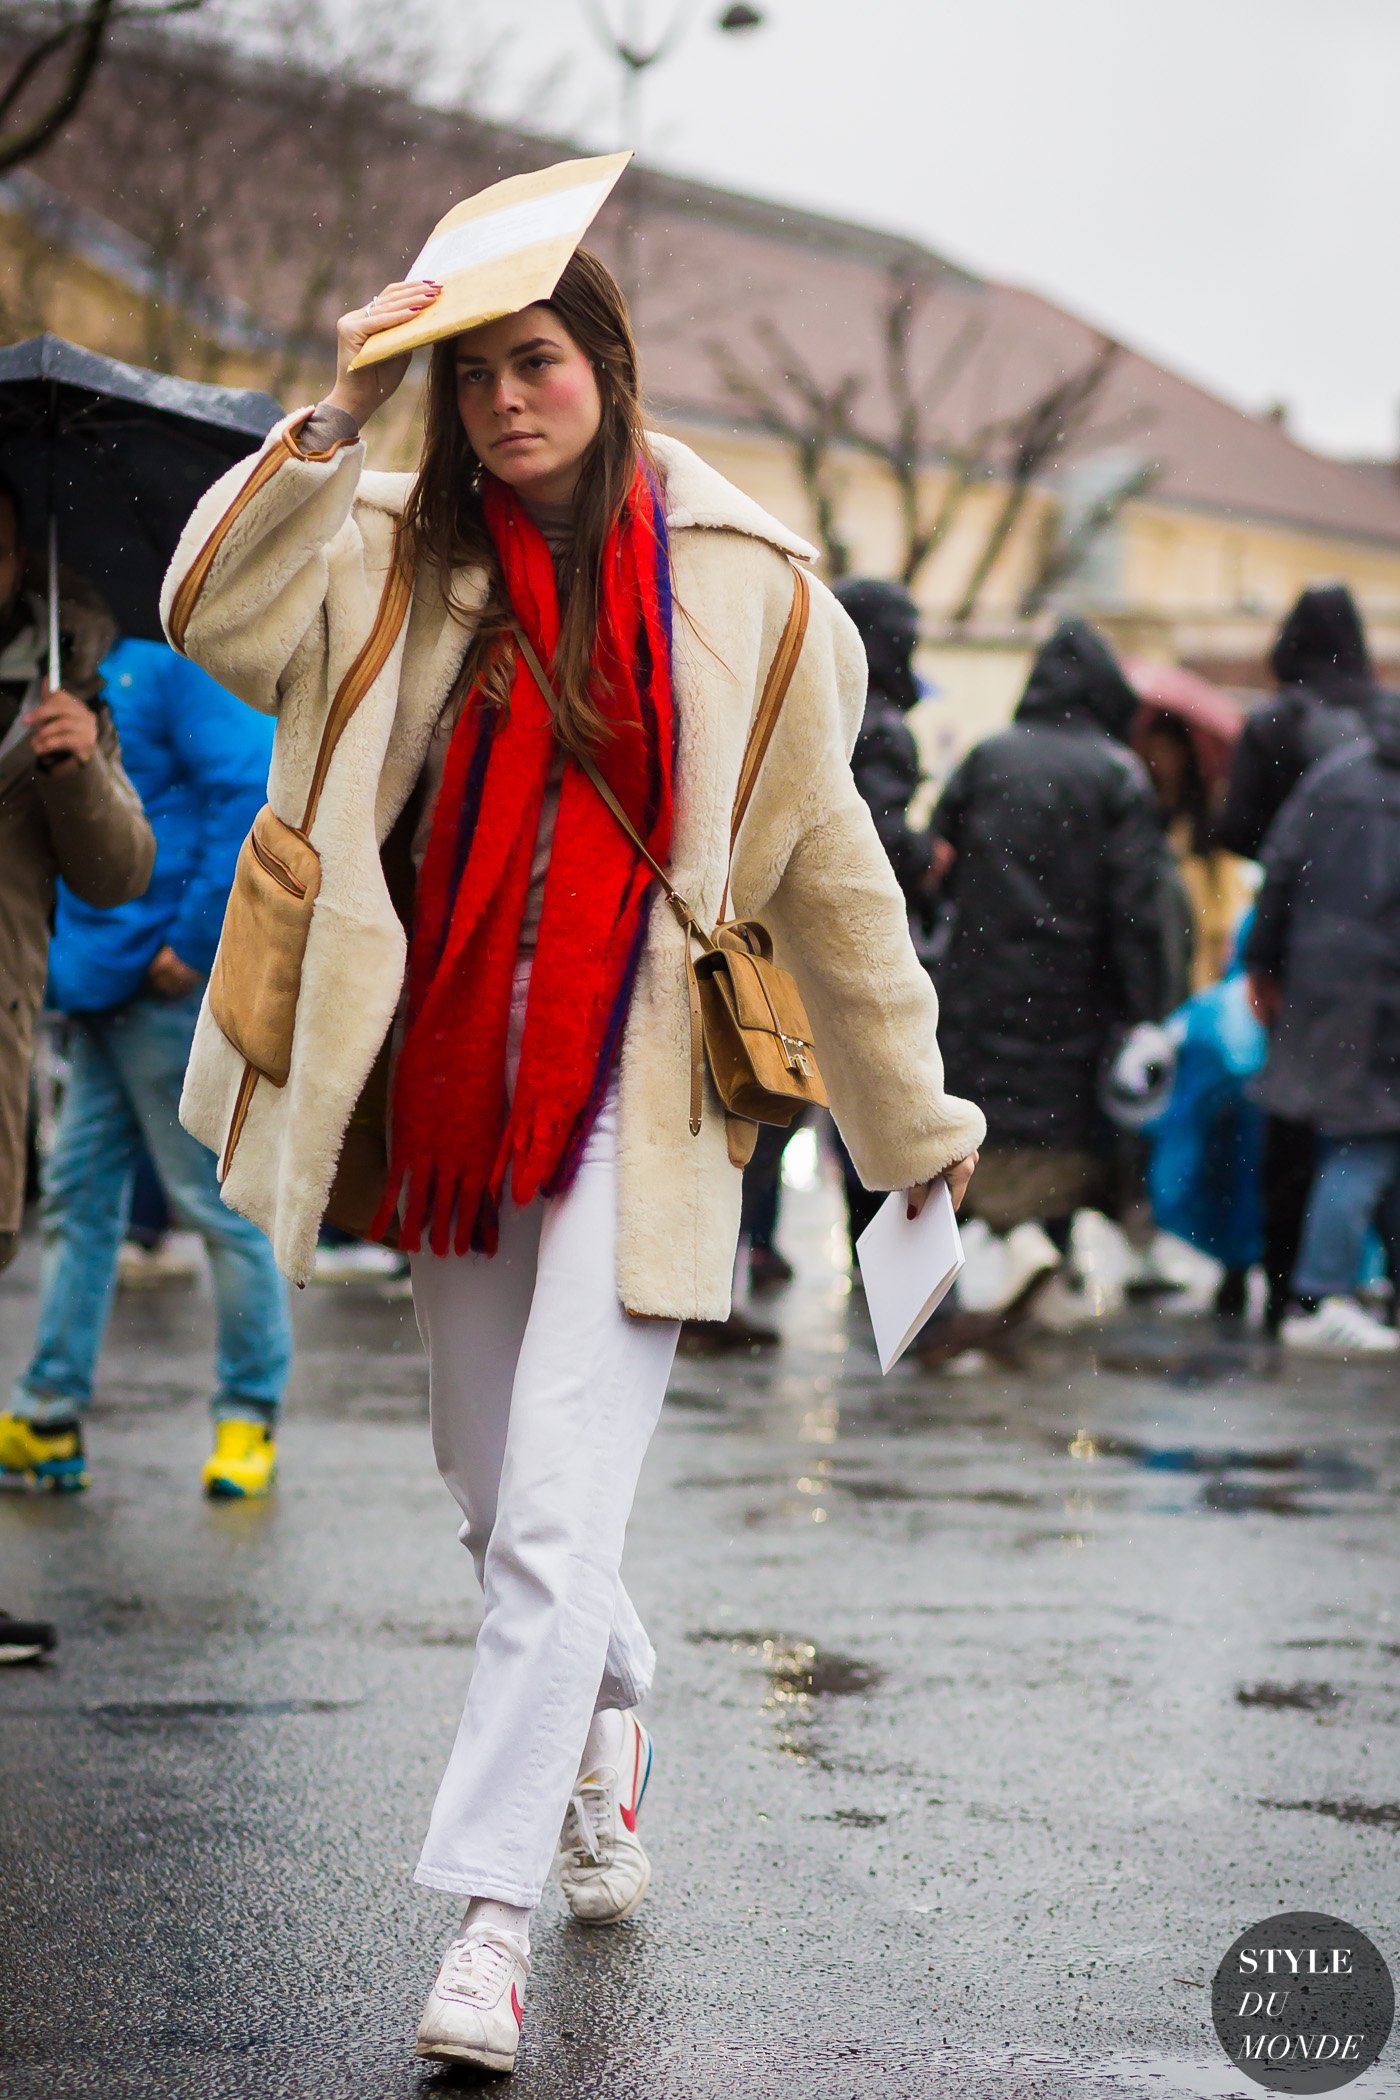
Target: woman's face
[[1165, 755], [529, 402]]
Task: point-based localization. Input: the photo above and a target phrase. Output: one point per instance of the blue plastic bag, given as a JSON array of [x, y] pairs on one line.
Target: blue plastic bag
[[1203, 1177]]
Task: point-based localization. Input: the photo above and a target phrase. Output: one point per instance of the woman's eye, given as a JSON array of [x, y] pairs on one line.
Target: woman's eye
[[467, 377], [538, 364]]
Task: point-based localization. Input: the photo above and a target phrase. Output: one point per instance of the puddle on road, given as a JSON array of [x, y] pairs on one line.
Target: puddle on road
[[1299, 1698], [161, 1714], [799, 1673], [1289, 1475], [1375, 1815]]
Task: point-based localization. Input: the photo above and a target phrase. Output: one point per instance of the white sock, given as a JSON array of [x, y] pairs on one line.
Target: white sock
[[606, 1736], [500, 1917]]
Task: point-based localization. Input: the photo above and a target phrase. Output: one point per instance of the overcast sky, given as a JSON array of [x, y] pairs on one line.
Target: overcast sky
[[1218, 181]]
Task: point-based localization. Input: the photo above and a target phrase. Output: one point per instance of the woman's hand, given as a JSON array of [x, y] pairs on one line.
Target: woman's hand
[[957, 1177], [361, 393]]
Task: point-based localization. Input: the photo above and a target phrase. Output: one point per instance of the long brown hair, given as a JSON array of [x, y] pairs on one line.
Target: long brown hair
[[444, 512]]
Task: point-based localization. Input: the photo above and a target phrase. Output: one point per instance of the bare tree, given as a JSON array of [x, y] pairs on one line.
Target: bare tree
[[819, 419], [1037, 436], [812, 418], [1072, 531], [914, 436], [60, 47]]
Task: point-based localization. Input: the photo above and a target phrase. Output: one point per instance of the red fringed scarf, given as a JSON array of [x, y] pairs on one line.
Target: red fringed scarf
[[456, 1143]]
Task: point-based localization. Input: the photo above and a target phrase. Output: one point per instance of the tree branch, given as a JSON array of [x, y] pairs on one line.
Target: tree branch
[[87, 38]]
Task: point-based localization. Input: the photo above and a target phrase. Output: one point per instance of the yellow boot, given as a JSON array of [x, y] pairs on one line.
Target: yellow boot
[[42, 1455], [243, 1461]]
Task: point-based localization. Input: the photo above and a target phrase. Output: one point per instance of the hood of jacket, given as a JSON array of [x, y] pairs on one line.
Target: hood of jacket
[[1322, 646], [1076, 679]]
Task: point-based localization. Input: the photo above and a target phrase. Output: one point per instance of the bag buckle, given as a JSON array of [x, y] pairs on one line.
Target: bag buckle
[[795, 1055]]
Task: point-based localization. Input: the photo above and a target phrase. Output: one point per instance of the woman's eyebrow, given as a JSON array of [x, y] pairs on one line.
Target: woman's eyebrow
[[536, 342]]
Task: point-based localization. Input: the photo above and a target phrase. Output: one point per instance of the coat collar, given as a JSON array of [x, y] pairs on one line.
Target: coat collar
[[697, 498]]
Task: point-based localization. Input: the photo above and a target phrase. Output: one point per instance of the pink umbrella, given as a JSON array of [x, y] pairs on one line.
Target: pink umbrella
[[1213, 718]]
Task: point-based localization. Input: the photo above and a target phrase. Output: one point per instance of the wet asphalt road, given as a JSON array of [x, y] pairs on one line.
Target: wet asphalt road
[[990, 1711]]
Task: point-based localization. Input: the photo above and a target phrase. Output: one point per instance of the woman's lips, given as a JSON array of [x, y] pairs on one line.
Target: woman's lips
[[515, 437]]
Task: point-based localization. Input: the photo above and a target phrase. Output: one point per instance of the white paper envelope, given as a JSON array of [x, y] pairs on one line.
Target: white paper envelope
[[500, 251], [908, 1266]]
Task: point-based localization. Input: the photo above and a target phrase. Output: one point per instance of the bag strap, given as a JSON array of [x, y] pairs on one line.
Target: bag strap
[[760, 736], [394, 602], [770, 706]]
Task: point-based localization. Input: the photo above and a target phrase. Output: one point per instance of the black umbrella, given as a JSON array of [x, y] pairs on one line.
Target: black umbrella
[[113, 459]]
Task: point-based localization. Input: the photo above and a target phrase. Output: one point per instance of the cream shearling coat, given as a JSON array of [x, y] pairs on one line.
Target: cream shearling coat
[[288, 601]]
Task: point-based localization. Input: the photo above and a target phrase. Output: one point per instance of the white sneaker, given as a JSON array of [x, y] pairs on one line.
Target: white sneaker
[[1029, 1258], [475, 2008], [602, 1865], [363, 1261], [174, 1259], [1339, 1327]]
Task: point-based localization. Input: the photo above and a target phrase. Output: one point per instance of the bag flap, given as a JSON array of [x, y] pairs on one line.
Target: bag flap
[[766, 997], [288, 851]]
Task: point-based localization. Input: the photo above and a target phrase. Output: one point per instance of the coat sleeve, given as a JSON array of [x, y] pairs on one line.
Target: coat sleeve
[[102, 841], [247, 588], [1284, 853], [223, 752], [839, 919]]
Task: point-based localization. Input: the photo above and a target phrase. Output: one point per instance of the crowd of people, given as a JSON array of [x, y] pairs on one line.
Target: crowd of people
[[1179, 1004]]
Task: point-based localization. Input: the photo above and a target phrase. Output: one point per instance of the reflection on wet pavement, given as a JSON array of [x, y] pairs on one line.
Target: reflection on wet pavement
[[1376, 1815], [798, 1672], [1303, 1698], [1005, 1712]]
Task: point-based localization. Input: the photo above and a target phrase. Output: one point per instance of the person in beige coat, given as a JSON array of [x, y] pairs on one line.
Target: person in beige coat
[[563, 1217], [66, 809]]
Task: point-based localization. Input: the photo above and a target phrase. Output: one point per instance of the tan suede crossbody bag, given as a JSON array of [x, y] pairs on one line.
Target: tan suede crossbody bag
[[747, 1019], [256, 980]]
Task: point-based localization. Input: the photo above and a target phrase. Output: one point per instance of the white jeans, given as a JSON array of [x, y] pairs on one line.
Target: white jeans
[[544, 1396]]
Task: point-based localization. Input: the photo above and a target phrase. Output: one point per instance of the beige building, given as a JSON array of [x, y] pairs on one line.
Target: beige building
[[212, 214]]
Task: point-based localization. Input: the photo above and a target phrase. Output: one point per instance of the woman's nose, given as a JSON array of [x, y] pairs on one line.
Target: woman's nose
[[505, 396]]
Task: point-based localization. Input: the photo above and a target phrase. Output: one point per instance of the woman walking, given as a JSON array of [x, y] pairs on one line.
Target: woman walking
[[561, 1216]]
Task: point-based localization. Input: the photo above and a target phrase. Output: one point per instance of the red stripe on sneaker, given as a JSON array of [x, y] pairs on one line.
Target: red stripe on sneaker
[[629, 1815], [516, 2007]]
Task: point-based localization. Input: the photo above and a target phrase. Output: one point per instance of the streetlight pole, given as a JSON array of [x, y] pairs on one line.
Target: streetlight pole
[[628, 45]]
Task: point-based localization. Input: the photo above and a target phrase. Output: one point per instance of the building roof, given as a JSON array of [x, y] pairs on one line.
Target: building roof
[[291, 195]]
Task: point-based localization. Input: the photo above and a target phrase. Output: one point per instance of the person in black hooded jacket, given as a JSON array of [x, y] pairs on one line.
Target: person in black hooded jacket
[[1326, 687], [885, 760], [1325, 698], [1056, 892]]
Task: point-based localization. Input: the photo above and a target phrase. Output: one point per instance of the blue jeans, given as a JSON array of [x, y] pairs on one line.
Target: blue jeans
[[127, 1068], [1357, 1186]]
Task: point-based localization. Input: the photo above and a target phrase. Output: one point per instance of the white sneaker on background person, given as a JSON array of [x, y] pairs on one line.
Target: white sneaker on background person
[[361, 1261], [177, 1257], [603, 1869], [1030, 1258], [1339, 1327], [477, 2004]]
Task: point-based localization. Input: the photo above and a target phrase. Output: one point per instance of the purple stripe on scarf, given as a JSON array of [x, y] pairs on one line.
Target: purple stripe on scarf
[[568, 1167], [466, 822]]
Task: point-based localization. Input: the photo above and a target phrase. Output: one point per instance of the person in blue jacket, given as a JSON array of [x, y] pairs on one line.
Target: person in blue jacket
[[130, 982]]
